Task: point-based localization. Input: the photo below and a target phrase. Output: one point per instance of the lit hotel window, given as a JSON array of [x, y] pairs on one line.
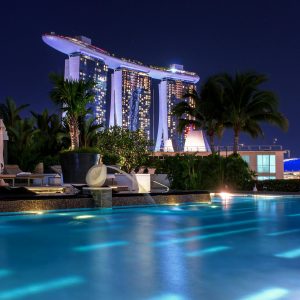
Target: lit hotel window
[[265, 177], [266, 163]]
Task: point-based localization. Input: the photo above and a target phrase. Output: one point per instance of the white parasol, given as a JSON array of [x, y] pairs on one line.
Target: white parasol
[[3, 135]]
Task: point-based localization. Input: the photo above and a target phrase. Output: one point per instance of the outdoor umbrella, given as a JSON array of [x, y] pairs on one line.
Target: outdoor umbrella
[[2, 136]]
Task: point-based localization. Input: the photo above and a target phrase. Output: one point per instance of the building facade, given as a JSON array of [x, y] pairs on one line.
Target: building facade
[[267, 163], [131, 85], [131, 100], [80, 66], [171, 93]]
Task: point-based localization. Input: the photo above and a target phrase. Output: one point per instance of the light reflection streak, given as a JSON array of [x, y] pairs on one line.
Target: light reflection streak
[[196, 228], [268, 294], [289, 254], [37, 288], [206, 251], [277, 233], [100, 246], [4, 272], [202, 237]]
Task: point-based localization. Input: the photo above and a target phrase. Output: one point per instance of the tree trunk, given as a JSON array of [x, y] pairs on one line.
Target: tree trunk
[[236, 141], [74, 133], [212, 143]]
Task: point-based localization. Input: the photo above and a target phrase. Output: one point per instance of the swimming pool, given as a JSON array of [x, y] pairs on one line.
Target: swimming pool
[[244, 248]]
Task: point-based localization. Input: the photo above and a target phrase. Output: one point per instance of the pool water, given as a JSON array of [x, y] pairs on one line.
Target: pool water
[[244, 248]]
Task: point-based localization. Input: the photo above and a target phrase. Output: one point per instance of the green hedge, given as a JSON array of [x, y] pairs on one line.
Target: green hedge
[[213, 172], [276, 185]]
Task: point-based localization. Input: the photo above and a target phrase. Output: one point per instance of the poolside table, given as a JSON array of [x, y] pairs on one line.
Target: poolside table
[[31, 176], [8, 177], [13, 177]]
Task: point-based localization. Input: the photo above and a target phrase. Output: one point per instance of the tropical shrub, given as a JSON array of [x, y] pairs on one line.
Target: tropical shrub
[[128, 148], [275, 185], [32, 139], [110, 159], [213, 172], [50, 137]]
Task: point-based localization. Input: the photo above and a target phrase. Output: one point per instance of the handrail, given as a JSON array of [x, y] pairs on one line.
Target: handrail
[[225, 148], [167, 188]]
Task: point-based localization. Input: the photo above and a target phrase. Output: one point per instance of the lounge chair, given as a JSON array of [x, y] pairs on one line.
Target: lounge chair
[[14, 173]]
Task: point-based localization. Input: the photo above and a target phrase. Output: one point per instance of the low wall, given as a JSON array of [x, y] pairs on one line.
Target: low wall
[[44, 204], [161, 198], [57, 202]]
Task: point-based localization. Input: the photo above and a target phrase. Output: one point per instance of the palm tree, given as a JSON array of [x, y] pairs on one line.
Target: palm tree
[[50, 135], [204, 111], [247, 106], [10, 112], [73, 97], [22, 147], [89, 130]]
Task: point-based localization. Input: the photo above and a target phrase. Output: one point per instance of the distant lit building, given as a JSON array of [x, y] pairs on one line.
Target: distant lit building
[[131, 100], [171, 92], [292, 168], [131, 85], [265, 161], [195, 141], [79, 66]]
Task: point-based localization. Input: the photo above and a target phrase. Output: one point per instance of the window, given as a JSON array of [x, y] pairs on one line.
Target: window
[[265, 177], [266, 163], [246, 158]]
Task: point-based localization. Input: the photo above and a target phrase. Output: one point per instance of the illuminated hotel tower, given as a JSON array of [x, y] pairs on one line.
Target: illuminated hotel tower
[[81, 66], [131, 83], [130, 100], [171, 93]]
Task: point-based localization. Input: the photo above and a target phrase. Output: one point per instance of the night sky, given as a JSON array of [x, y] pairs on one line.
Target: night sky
[[205, 36]]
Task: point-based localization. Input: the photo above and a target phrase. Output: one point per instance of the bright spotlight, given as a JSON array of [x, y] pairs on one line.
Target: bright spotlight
[[225, 195]]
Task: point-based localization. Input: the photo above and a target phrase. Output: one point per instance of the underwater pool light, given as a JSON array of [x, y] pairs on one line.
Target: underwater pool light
[[35, 212], [84, 217]]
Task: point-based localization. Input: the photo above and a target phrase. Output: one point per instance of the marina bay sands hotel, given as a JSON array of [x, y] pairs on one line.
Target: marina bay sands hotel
[[131, 89]]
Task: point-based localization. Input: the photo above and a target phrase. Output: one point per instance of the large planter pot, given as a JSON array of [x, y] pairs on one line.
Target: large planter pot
[[76, 165]]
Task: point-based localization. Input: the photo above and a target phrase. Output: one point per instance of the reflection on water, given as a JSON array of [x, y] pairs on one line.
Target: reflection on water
[[236, 248]]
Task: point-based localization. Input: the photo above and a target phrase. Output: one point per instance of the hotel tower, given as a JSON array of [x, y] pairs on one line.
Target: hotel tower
[[131, 83]]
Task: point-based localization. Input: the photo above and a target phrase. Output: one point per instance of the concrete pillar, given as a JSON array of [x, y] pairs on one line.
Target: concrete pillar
[[72, 66], [162, 133], [116, 99]]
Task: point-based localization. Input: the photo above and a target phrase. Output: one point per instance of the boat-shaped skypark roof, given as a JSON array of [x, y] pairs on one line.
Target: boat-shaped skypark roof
[[70, 45]]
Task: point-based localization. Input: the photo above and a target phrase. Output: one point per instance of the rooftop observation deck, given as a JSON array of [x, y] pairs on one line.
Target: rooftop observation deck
[[69, 45]]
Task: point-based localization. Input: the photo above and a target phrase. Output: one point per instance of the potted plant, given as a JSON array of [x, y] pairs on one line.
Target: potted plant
[[73, 96]]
